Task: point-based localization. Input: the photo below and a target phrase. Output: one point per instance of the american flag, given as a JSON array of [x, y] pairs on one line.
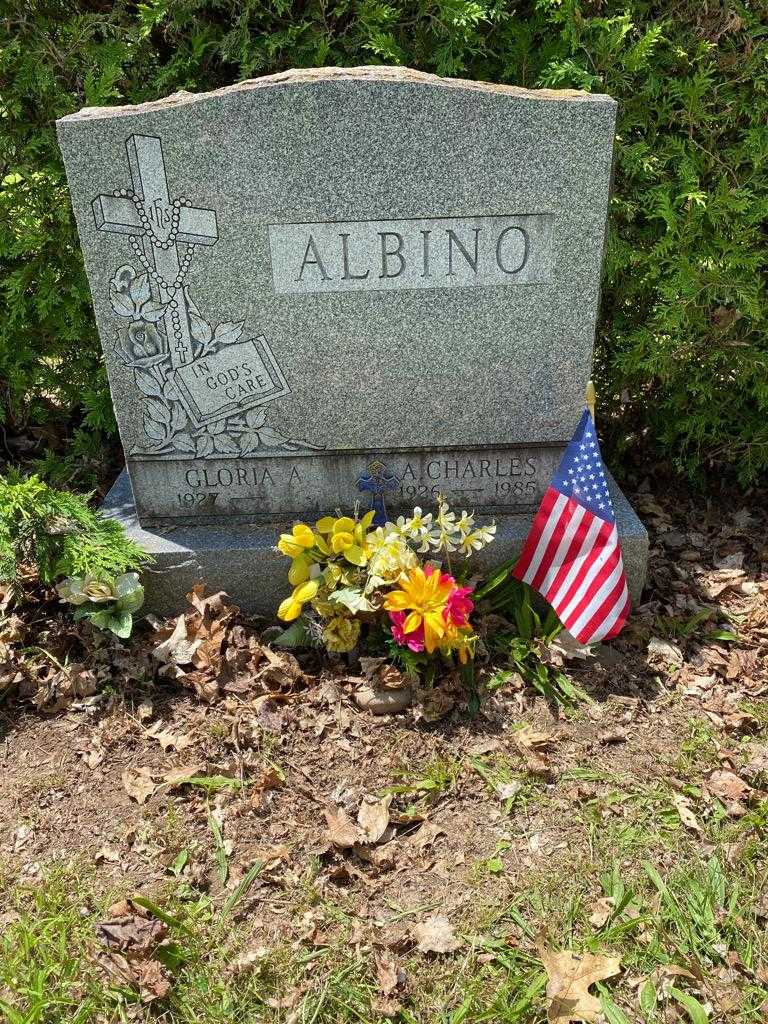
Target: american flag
[[572, 554]]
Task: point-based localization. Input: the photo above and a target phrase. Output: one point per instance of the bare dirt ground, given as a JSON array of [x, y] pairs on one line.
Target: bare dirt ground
[[148, 772]]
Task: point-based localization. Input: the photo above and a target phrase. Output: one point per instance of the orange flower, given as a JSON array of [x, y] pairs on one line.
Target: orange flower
[[424, 595]]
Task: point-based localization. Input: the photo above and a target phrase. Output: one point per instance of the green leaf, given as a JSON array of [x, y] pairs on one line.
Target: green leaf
[[613, 1013], [119, 622], [691, 1005], [296, 635], [245, 884], [648, 998], [179, 863], [160, 914], [353, 599], [213, 783], [222, 861]]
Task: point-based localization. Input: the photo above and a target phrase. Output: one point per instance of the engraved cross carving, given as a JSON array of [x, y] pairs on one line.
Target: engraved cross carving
[[378, 480], [155, 225]]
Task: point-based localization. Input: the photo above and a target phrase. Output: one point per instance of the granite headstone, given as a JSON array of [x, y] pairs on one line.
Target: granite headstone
[[335, 285]]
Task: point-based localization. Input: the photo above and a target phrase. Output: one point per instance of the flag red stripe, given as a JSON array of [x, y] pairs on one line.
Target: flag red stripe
[[599, 579], [620, 622], [592, 626], [570, 555], [537, 527], [554, 543], [598, 546]]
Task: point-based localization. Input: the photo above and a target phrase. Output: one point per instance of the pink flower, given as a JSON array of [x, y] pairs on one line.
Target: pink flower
[[413, 641], [459, 607]]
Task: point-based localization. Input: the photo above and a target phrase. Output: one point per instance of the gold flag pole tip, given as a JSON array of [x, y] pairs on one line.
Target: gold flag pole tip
[[590, 396]]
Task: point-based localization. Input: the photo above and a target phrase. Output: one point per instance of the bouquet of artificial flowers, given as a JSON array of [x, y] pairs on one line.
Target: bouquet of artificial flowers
[[349, 576]]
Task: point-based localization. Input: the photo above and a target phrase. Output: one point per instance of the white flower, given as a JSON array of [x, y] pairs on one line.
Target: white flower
[[465, 522], [445, 517], [388, 555], [415, 526], [478, 539]]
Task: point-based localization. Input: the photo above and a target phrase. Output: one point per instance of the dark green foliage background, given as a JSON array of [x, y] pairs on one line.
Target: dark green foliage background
[[682, 346]]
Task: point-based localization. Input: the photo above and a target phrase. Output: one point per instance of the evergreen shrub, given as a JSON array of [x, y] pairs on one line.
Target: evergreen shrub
[[682, 342]]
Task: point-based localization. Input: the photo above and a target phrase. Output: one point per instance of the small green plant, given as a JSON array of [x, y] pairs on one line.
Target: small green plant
[[108, 605], [58, 534], [526, 647], [507, 596]]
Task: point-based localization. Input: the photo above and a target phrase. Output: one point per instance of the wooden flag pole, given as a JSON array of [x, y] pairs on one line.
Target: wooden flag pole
[[590, 396]]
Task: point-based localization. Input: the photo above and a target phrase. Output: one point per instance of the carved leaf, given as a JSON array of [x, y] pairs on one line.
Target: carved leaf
[[249, 442], [160, 411], [153, 311], [271, 438], [226, 445], [121, 303], [228, 333], [123, 277], [147, 384], [255, 418], [184, 442], [178, 418], [139, 289], [204, 446], [201, 331], [157, 431]]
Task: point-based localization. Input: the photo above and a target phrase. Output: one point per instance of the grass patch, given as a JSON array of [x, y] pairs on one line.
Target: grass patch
[[700, 916]]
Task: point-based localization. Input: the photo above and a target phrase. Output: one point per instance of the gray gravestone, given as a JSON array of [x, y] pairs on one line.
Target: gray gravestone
[[336, 285]]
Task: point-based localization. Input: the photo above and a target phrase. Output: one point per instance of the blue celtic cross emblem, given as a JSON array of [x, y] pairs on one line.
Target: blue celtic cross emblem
[[377, 479]]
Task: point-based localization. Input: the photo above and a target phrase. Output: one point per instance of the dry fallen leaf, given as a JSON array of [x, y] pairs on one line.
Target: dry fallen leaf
[[177, 649], [664, 655], [426, 834], [138, 784], [531, 744], [130, 930], [727, 786], [341, 828], [683, 807], [570, 977], [436, 935], [106, 853], [373, 817], [168, 740], [603, 910], [178, 776], [391, 981], [152, 978]]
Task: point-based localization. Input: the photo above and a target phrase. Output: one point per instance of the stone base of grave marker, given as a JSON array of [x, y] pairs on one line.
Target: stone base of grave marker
[[242, 561]]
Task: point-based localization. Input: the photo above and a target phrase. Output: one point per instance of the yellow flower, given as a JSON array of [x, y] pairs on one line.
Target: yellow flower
[[341, 541], [299, 571], [295, 543], [289, 610], [341, 634], [388, 556], [347, 539], [344, 536], [292, 606], [306, 591], [423, 597]]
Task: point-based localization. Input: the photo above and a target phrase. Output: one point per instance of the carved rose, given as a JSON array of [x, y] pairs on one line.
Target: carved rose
[[143, 343], [121, 282]]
